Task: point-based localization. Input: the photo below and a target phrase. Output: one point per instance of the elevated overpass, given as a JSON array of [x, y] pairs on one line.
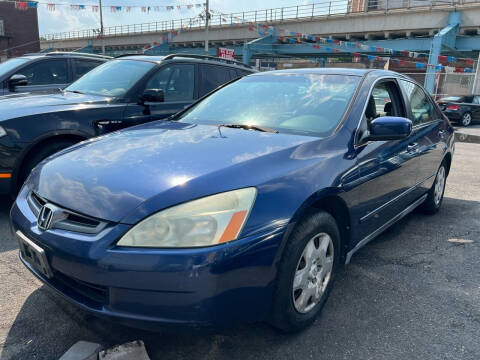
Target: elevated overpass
[[387, 20], [434, 27]]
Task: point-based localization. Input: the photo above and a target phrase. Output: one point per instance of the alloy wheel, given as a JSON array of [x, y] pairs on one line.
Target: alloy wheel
[[313, 272], [439, 185], [467, 119]]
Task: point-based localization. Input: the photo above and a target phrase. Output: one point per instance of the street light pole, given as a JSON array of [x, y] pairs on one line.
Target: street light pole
[[101, 28], [207, 18]]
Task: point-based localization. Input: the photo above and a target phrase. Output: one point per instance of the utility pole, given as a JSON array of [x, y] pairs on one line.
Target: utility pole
[[101, 27], [207, 19]]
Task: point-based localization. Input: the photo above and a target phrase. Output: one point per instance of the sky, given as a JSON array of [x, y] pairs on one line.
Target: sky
[[64, 19]]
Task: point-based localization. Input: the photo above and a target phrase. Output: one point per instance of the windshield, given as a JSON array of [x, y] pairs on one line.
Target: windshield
[[299, 103], [114, 78], [11, 64]]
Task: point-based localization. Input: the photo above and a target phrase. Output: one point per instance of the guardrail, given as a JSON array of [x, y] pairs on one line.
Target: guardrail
[[310, 11]]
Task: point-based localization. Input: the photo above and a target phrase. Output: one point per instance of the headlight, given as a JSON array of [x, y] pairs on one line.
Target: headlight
[[3, 132], [208, 221]]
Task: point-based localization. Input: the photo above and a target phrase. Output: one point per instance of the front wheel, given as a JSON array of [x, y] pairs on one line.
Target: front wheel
[[435, 194], [466, 119], [39, 155], [306, 272]]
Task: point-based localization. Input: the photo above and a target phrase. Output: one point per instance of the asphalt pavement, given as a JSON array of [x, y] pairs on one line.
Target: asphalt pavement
[[412, 293]]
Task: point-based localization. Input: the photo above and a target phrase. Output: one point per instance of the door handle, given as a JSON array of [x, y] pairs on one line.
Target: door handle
[[412, 147]]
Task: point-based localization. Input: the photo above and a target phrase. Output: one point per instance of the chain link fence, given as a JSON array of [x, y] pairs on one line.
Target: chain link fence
[[448, 83]]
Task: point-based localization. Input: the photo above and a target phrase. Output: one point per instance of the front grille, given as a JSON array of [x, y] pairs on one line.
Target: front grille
[[35, 202], [70, 221], [95, 295]]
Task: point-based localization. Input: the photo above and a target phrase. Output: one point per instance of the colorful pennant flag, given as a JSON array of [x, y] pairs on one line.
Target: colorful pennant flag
[[21, 5]]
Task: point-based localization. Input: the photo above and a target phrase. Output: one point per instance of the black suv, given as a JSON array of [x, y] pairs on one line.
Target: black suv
[[123, 92], [45, 72]]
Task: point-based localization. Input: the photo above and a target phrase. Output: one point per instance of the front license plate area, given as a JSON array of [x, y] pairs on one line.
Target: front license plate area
[[34, 255]]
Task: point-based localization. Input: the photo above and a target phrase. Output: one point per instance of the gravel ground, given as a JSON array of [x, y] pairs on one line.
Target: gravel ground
[[413, 293]]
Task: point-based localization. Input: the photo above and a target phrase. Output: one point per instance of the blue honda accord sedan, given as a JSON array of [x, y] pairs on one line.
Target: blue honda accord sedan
[[240, 208]]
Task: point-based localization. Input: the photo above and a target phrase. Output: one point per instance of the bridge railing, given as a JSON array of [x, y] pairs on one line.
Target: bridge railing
[[315, 10]]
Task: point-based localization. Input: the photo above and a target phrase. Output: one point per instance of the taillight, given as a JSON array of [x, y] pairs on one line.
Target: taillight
[[452, 107]]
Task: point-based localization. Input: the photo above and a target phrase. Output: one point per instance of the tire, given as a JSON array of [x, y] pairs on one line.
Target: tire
[[39, 155], [294, 308], [434, 199], [466, 119]]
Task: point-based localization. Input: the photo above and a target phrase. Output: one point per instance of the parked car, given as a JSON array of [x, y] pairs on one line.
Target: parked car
[[461, 109], [241, 207], [120, 93], [45, 72]]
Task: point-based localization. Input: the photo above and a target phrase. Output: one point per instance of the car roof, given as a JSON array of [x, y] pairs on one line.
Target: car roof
[[459, 96], [187, 58], [149, 58], [67, 55], [335, 71]]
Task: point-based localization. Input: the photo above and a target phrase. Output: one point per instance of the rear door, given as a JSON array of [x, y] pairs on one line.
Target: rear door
[[45, 75], [213, 76], [179, 87], [81, 66], [428, 142]]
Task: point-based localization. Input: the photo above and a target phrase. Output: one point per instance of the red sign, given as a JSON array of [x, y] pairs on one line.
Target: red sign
[[225, 53]]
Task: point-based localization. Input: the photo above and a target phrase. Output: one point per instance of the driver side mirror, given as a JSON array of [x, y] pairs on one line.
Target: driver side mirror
[[152, 96], [389, 128], [17, 80]]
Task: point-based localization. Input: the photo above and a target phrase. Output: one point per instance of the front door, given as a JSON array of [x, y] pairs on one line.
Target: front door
[[178, 84], [44, 75], [386, 173]]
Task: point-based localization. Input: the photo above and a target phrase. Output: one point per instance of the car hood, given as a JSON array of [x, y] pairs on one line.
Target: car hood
[[18, 105], [109, 177]]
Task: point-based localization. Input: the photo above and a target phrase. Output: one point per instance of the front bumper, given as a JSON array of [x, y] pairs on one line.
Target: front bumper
[[9, 154], [5, 183], [150, 287]]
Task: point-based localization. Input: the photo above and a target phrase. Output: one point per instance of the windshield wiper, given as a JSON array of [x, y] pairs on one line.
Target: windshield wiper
[[249, 127], [75, 91]]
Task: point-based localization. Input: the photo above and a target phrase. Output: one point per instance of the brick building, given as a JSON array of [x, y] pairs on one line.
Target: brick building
[[18, 30]]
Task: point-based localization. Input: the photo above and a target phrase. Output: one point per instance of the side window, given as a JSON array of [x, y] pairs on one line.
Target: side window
[[385, 100], [233, 74], [243, 73], [476, 100], [83, 66], [176, 81], [422, 107], [46, 72], [212, 77]]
